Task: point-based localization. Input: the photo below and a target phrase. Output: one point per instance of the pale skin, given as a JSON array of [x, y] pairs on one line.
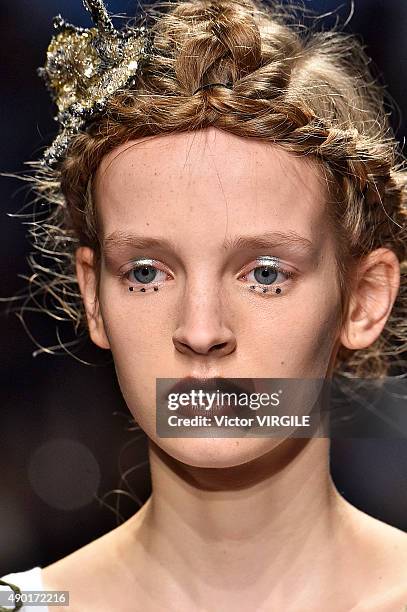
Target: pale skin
[[231, 525]]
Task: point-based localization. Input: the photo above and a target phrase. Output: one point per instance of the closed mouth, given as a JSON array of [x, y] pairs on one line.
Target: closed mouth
[[212, 396]]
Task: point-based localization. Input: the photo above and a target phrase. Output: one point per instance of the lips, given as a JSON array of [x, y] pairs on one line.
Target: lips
[[213, 386]]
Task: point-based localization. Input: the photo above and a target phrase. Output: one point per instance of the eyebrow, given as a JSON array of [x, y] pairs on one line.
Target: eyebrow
[[271, 239], [119, 239], [291, 240]]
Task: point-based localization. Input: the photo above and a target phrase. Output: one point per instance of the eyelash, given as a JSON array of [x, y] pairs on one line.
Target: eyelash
[[147, 263], [151, 263], [275, 267]]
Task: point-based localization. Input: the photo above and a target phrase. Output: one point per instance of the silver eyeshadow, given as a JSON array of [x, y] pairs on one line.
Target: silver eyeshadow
[[265, 260], [144, 262], [268, 260]]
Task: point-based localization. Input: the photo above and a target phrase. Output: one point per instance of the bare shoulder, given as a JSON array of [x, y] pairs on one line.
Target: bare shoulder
[[95, 573], [380, 560], [390, 543], [393, 543], [82, 574]]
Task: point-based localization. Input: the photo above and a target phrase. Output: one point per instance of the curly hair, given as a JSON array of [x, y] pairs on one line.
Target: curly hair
[[311, 93]]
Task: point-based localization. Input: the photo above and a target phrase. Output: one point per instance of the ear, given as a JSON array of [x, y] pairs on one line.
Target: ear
[[87, 278], [376, 289]]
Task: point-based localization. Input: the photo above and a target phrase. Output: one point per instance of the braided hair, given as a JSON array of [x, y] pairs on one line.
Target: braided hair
[[308, 92]]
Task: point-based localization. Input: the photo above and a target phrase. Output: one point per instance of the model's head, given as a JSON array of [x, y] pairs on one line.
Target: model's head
[[249, 230]]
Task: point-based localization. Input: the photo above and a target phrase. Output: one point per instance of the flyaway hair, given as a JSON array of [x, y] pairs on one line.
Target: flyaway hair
[[308, 92]]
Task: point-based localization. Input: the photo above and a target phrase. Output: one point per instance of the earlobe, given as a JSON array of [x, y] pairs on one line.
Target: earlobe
[[86, 275], [372, 299]]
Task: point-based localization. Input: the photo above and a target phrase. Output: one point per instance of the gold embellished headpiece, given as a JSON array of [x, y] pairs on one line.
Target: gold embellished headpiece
[[84, 67]]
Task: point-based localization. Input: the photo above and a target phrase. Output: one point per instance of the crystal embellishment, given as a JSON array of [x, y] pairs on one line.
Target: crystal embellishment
[[84, 67]]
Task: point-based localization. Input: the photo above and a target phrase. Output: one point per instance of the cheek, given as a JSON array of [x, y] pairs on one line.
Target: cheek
[[140, 341], [292, 337], [314, 343], [311, 332], [132, 344], [134, 324]]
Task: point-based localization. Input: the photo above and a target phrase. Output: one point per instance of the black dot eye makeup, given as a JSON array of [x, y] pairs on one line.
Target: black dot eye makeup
[[266, 272], [144, 289], [260, 289], [150, 275]]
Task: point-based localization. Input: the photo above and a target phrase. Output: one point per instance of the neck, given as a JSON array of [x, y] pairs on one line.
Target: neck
[[214, 529]]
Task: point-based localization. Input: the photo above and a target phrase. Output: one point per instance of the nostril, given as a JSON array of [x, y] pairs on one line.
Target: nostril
[[218, 347]]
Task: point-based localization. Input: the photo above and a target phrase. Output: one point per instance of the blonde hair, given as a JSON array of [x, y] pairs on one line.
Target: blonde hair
[[308, 92]]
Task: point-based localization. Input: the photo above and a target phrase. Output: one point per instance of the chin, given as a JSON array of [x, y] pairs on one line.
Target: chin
[[216, 452]]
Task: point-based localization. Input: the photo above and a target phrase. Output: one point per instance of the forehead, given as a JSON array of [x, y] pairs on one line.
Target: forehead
[[212, 178]]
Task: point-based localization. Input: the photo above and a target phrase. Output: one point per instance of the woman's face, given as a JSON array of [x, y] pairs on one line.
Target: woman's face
[[211, 209]]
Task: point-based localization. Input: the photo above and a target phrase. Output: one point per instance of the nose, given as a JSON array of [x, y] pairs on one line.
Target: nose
[[202, 329]]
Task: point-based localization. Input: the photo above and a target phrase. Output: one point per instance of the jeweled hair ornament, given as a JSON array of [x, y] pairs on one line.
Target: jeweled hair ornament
[[84, 67]]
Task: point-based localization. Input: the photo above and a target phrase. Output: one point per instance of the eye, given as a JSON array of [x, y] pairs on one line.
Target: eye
[[145, 273], [266, 275], [269, 273]]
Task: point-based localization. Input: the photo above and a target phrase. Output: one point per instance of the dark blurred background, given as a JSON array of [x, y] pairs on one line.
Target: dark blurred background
[[64, 424]]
